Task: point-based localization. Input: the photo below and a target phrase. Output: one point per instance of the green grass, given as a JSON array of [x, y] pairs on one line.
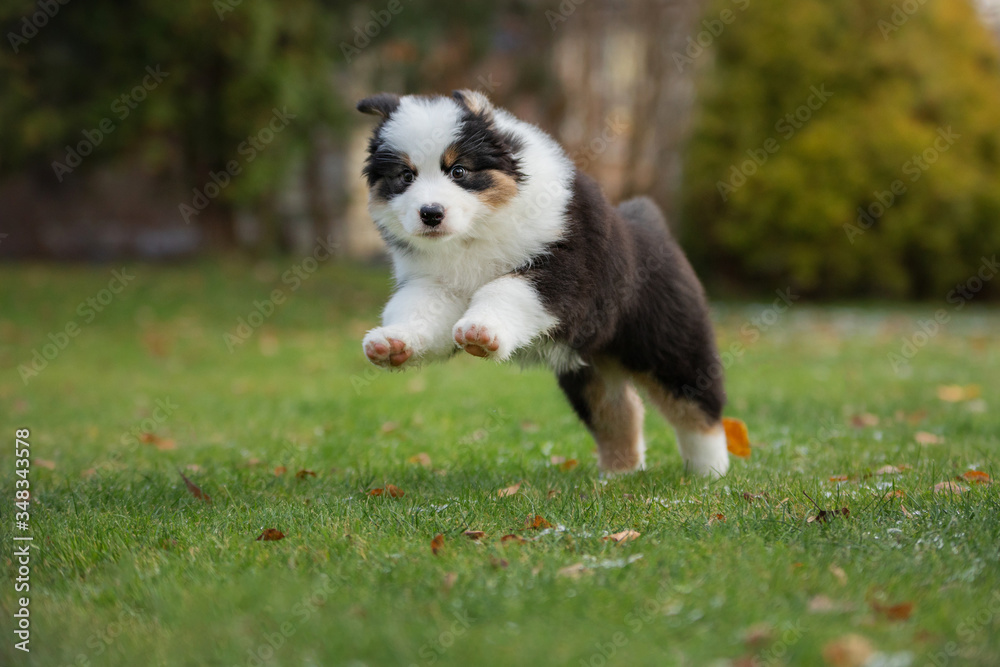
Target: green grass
[[129, 568]]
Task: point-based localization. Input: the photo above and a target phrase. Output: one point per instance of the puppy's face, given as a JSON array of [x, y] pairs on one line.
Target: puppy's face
[[437, 167]]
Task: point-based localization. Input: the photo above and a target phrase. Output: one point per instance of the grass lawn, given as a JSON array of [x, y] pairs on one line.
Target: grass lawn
[[130, 568]]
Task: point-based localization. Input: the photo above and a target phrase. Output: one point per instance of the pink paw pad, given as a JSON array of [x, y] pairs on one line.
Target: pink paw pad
[[477, 341]]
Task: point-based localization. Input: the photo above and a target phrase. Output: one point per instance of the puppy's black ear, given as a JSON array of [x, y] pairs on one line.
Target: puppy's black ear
[[382, 104], [474, 101]]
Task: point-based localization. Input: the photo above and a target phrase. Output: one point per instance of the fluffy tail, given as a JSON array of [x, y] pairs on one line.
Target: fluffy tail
[[643, 211]]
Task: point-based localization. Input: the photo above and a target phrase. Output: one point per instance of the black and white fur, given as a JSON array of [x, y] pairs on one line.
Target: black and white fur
[[502, 248]]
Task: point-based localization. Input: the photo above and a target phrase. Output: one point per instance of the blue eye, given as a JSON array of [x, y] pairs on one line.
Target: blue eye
[[458, 172]]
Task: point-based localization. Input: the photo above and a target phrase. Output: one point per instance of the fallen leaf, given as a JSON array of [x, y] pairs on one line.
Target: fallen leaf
[[906, 512], [912, 418], [498, 563], [848, 651], [389, 427], [737, 437], [623, 536], [271, 535], [193, 488], [474, 534], [864, 420], [302, 474], [949, 487], [509, 491], [821, 604], [716, 518], [556, 460], [895, 612], [537, 522], [839, 573], [976, 477], [437, 544], [572, 571], [953, 393], [375, 492], [925, 438], [750, 497], [839, 478], [824, 515], [44, 463], [280, 470], [896, 493], [552, 494], [423, 458], [163, 444], [888, 470], [394, 491], [568, 464], [516, 539]]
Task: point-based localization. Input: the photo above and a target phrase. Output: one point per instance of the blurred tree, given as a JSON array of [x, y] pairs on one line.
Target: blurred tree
[[847, 148]]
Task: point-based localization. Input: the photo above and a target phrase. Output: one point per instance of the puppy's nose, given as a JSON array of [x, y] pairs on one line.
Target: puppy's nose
[[432, 214]]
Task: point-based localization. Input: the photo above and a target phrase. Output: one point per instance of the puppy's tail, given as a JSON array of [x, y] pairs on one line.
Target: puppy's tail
[[644, 212]]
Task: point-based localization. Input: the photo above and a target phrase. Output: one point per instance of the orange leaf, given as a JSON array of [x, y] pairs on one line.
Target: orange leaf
[[976, 477], [516, 539], [839, 478], [568, 465], [737, 437], [863, 420], [895, 612], [193, 488], [536, 522], [509, 491], [271, 535], [437, 544], [925, 438], [280, 470], [848, 651], [302, 474], [716, 518], [394, 491], [623, 536], [375, 492], [474, 534], [423, 458]]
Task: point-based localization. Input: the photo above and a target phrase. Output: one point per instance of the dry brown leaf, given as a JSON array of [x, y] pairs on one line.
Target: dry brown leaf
[[280, 470], [864, 420], [474, 534], [552, 494], [509, 491], [512, 539], [498, 563], [567, 465], [737, 437], [888, 470], [394, 491], [44, 463], [839, 573], [906, 512], [848, 651], [750, 497], [623, 536], [925, 438], [437, 544], [536, 522], [271, 535], [894, 612], [302, 474], [573, 571], [825, 515], [716, 518], [839, 478], [976, 477], [821, 604], [193, 488], [949, 487], [896, 493], [423, 458], [376, 492]]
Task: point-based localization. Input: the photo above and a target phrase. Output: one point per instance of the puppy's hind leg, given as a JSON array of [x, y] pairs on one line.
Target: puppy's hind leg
[[608, 404], [700, 435]]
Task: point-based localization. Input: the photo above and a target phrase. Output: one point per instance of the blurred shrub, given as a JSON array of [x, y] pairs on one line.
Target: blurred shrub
[[848, 148]]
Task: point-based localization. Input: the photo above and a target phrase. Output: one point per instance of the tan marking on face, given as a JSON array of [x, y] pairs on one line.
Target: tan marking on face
[[450, 157], [503, 190]]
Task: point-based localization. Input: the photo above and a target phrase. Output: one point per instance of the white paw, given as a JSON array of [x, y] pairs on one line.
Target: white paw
[[389, 347], [481, 340], [714, 467]]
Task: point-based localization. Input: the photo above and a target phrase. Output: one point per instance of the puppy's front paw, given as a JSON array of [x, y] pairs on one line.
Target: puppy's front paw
[[387, 348], [479, 340]]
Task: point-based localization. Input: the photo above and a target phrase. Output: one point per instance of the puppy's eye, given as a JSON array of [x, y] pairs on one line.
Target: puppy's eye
[[406, 176], [458, 172]]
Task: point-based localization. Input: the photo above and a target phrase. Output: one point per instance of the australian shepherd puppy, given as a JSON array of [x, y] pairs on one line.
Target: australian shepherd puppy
[[501, 248]]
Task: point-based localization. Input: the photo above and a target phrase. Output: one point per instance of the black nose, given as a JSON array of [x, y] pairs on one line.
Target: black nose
[[432, 214]]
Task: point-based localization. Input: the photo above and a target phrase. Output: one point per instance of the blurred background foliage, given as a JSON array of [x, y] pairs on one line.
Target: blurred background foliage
[[658, 97]]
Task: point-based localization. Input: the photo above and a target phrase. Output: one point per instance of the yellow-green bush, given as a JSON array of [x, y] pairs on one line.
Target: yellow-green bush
[[886, 183]]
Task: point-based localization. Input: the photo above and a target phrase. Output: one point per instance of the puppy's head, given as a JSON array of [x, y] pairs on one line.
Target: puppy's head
[[438, 167]]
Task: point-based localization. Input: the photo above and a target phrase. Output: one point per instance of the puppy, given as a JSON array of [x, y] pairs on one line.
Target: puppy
[[501, 248]]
